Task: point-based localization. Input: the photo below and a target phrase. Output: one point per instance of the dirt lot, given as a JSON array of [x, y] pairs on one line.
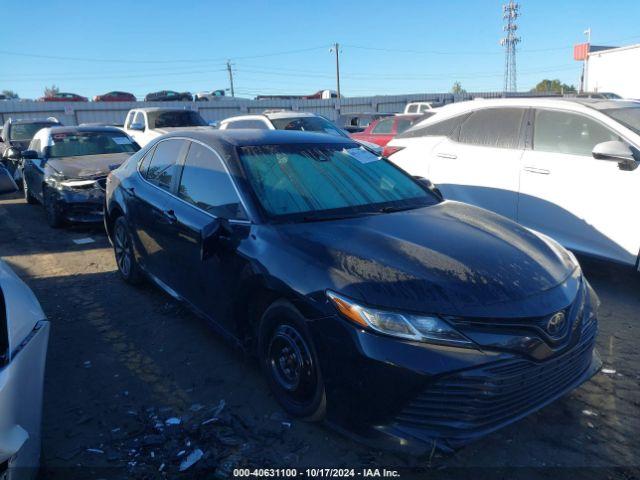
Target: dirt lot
[[123, 360]]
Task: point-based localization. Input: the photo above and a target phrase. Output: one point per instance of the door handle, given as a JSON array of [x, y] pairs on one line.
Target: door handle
[[129, 190], [170, 216], [539, 171], [451, 156]]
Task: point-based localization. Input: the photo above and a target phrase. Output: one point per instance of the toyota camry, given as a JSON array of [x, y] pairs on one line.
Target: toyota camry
[[367, 299]]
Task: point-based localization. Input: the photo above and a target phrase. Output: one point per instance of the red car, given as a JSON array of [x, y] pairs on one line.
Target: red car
[[64, 97], [115, 97], [381, 131]]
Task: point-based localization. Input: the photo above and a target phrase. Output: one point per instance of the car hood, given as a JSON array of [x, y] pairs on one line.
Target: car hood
[[448, 259], [87, 166]]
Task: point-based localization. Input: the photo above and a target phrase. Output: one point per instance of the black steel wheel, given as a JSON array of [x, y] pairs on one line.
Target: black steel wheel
[[290, 362], [52, 208]]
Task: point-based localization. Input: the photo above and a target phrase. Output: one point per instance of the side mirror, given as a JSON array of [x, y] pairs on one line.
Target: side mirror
[[614, 151], [13, 153], [210, 236], [136, 126], [7, 184], [426, 183], [29, 154]]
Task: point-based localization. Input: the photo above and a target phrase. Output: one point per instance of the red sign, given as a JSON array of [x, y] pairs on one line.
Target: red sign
[[580, 51]]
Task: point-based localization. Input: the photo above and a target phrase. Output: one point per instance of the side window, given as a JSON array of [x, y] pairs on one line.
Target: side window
[[206, 184], [129, 120], [403, 124], [259, 124], [493, 127], [443, 128], [139, 118], [162, 166], [570, 133], [383, 127], [144, 164], [412, 109]]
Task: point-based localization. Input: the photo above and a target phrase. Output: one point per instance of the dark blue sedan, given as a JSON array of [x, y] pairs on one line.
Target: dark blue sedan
[[366, 297]]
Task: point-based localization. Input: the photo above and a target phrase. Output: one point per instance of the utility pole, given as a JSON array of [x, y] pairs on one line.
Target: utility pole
[[336, 49], [510, 12], [585, 67], [230, 77]]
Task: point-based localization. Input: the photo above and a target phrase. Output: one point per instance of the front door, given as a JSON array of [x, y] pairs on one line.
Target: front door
[[569, 195], [206, 193], [480, 164]]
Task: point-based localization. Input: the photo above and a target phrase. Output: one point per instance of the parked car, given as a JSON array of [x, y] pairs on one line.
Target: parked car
[[24, 337], [64, 97], [383, 130], [418, 107], [364, 296], [537, 162], [65, 169], [290, 120], [357, 122], [16, 136], [600, 95], [145, 124], [115, 97], [168, 96], [209, 96]]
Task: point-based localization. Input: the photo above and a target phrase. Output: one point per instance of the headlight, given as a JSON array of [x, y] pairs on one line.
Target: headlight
[[403, 325], [81, 184]]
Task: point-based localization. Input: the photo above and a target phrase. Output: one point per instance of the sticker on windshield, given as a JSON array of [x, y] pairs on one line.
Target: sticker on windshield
[[360, 154], [122, 140]]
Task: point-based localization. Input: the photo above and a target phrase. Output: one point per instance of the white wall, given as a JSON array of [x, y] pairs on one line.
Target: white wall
[[616, 70]]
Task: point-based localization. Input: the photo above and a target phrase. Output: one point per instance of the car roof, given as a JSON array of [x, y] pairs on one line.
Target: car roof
[[33, 120], [84, 128], [163, 109], [288, 114], [257, 137]]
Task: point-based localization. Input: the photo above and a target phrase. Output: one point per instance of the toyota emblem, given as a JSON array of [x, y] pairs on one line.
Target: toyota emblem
[[556, 323]]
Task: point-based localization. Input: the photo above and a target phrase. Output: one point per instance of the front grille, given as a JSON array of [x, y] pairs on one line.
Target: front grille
[[480, 400]]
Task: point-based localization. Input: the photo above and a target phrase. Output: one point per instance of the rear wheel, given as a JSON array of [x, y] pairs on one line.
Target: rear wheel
[[52, 208], [290, 363], [123, 250]]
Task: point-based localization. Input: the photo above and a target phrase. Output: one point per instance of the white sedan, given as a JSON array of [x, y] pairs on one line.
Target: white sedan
[[24, 336], [564, 167]]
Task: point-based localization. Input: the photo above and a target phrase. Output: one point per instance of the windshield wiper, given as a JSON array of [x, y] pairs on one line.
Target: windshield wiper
[[390, 209]]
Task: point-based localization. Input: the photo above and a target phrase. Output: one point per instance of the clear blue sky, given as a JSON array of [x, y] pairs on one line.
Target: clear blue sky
[[278, 46]]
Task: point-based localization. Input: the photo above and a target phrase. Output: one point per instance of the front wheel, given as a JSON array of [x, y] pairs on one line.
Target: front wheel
[[30, 199], [290, 363], [55, 219], [123, 250]]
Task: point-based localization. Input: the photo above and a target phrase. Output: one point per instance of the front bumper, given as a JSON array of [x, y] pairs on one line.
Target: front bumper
[[413, 396], [82, 206]]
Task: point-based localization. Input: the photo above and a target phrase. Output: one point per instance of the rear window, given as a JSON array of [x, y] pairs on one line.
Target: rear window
[[177, 118], [74, 144], [26, 131], [307, 124]]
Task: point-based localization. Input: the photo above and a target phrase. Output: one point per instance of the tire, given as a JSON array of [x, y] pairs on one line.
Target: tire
[[30, 199], [51, 208], [290, 363], [123, 250]]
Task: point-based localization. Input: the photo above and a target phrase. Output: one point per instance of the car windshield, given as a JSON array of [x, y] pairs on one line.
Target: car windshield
[[307, 124], [628, 116], [176, 118], [314, 182], [26, 131], [73, 144]]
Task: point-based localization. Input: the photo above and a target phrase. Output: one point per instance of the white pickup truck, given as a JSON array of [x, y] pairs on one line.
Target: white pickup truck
[[145, 124]]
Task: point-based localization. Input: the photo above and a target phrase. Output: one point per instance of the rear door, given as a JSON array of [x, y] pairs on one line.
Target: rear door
[[480, 163], [152, 219], [571, 196], [206, 192]]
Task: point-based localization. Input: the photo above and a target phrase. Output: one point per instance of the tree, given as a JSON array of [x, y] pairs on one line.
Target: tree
[[10, 94], [555, 86], [51, 91], [457, 88]]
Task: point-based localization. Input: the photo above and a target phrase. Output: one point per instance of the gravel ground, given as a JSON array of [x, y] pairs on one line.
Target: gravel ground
[[138, 387]]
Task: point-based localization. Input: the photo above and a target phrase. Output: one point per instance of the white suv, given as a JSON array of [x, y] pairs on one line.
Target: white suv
[[564, 167]]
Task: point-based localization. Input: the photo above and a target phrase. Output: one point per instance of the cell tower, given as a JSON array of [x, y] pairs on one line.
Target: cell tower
[[510, 12]]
